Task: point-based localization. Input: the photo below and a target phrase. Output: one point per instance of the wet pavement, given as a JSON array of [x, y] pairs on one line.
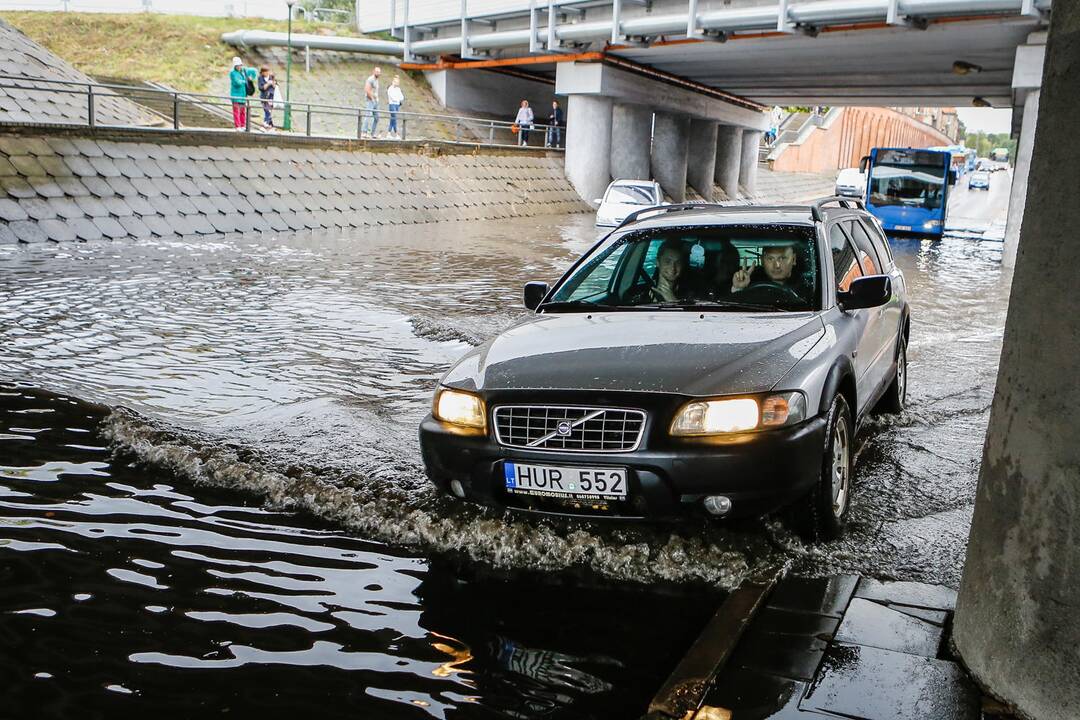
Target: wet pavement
[[270, 390]]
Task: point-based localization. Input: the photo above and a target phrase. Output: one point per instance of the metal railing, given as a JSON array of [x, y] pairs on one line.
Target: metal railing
[[302, 118]]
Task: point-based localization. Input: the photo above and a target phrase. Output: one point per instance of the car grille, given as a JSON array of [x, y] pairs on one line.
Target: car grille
[[569, 429]]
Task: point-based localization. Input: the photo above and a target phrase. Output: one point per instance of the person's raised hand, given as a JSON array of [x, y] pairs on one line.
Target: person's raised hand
[[741, 279]]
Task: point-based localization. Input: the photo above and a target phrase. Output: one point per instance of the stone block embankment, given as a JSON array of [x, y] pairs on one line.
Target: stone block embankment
[[63, 187]]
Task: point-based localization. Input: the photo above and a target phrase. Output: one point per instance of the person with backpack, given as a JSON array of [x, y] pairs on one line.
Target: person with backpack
[[241, 85], [267, 87]]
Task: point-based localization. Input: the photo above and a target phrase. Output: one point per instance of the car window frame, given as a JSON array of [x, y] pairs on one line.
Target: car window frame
[[871, 249], [834, 284], [880, 240]]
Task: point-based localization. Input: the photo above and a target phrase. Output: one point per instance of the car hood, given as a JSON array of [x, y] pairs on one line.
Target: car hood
[[619, 210], [680, 352]]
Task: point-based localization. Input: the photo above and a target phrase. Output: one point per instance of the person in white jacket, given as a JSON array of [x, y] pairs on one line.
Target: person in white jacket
[[524, 122], [395, 98]]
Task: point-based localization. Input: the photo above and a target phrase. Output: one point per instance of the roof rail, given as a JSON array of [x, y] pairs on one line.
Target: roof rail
[[846, 202], [659, 209]]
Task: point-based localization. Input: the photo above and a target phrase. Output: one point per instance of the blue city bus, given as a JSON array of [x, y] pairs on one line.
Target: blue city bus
[[907, 189]]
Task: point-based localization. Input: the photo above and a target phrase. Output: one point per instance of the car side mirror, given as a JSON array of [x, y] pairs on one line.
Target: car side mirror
[[864, 163], [866, 292], [598, 201], [535, 292]]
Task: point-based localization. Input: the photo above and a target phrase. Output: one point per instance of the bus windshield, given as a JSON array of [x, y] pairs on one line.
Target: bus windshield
[[910, 185]]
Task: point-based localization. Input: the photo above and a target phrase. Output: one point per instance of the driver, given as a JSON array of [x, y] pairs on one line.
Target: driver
[[778, 266]]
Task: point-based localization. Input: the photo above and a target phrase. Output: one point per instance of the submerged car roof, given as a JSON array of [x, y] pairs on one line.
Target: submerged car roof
[[709, 214]]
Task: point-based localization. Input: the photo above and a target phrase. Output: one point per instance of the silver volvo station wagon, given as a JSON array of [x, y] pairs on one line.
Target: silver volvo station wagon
[[699, 359]]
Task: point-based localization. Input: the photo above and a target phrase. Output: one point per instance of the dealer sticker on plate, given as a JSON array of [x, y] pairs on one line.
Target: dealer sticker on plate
[[579, 483]]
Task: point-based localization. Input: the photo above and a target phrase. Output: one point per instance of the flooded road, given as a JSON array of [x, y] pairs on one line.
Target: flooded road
[[262, 396]]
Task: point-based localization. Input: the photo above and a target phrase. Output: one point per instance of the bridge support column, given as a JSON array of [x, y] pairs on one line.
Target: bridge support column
[[728, 152], [1017, 623], [588, 144], [631, 133], [1018, 194], [748, 161], [671, 134], [701, 162]]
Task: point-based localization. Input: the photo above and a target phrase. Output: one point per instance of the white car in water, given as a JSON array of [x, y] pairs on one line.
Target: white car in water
[[624, 197], [851, 182]]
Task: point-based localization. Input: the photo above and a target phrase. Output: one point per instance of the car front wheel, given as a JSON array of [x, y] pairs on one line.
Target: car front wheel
[[822, 515]]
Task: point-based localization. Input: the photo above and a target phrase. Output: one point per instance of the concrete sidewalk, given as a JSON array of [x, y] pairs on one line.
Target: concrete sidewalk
[[832, 647]]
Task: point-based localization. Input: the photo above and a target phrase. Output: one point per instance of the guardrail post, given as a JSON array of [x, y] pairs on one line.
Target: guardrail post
[[457, 129], [360, 124], [491, 133], [90, 105], [176, 111], [247, 115], [403, 121], [307, 121]]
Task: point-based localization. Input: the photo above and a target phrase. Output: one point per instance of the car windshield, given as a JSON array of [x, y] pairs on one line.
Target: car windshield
[[631, 195], [729, 267], [911, 185]]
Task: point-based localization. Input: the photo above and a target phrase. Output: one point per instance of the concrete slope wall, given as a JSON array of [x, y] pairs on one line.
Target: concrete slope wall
[[851, 135], [63, 188], [21, 57]]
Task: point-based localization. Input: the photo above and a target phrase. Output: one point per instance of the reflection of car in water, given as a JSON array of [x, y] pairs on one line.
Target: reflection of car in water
[[699, 359], [851, 182], [624, 197], [979, 180]]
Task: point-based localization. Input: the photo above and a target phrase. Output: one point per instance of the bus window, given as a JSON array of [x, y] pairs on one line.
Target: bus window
[[845, 264]]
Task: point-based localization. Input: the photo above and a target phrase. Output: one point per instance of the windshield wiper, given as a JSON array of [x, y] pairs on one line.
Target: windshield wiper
[[700, 304], [562, 305]]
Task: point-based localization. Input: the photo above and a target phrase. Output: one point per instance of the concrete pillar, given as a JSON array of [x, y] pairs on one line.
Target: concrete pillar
[[588, 145], [631, 137], [1018, 194], [751, 141], [701, 161], [1017, 623], [728, 152], [671, 135]]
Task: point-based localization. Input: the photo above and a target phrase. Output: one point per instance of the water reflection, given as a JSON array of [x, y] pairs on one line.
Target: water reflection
[[122, 591]]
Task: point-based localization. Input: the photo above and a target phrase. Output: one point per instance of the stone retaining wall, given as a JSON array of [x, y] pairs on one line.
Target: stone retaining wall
[[62, 188]]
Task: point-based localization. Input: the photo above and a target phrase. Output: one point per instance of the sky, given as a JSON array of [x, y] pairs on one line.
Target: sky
[[989, 120]]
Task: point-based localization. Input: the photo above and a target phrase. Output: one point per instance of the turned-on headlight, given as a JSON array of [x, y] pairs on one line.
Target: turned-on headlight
[[730, 415], [459, 408]]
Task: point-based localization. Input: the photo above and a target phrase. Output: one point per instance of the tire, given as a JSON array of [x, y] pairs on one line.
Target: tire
[[895, 398], [822, 514]]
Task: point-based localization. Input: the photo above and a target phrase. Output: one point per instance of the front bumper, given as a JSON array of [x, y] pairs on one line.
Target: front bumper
[[760, 472]]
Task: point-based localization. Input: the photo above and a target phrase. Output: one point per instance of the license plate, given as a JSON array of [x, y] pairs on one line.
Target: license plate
[[901, 227], [578, 483]]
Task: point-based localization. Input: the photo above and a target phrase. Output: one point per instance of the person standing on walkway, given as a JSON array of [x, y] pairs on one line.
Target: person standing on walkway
[[554, 137], [524, 122], [238, 93], [371, 103], [267, 85], [394, 99]]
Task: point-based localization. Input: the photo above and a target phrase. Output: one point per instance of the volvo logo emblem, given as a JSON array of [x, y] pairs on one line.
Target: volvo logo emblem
[[564, 429]]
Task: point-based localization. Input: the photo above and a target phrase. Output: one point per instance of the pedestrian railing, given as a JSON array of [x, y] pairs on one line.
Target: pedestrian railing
[[166, 110]]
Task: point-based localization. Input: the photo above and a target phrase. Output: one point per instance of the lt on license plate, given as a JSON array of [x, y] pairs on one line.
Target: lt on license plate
[[565, 482]]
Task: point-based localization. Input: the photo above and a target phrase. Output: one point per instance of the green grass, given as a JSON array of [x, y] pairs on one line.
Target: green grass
[[182, 51]]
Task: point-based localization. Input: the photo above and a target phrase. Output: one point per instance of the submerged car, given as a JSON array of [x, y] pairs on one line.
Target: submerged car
[[979, 180], [624, 197], [698, 360]]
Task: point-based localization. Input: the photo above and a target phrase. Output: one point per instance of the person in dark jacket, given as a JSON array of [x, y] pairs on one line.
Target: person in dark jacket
[[267, 85], [556, 121]]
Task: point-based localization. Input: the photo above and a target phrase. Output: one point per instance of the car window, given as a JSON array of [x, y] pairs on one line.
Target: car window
[[631, 195], [756, 267], [845, 262], [880, 243], [869, 259]]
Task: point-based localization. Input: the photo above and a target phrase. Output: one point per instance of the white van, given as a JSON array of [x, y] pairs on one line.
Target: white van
[[851, 183], [624, 197]]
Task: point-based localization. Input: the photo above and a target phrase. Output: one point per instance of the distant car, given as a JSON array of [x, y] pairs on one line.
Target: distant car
[[979, 180], [850, 182], [624, 197], [699, 360]]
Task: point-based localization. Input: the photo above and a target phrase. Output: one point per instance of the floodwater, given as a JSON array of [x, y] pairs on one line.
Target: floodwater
[[243, 520]]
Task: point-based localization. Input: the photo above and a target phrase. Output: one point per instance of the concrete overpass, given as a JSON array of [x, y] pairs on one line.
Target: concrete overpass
[[707, 73]]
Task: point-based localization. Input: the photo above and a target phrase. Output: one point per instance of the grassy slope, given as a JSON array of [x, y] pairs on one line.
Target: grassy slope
[[183, 51]]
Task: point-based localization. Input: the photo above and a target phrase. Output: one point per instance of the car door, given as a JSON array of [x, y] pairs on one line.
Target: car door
[[864, 322], [876, 260]]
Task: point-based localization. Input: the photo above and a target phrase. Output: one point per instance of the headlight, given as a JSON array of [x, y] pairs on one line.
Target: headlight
[[714, 417], [459, 408], [929, 224]]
